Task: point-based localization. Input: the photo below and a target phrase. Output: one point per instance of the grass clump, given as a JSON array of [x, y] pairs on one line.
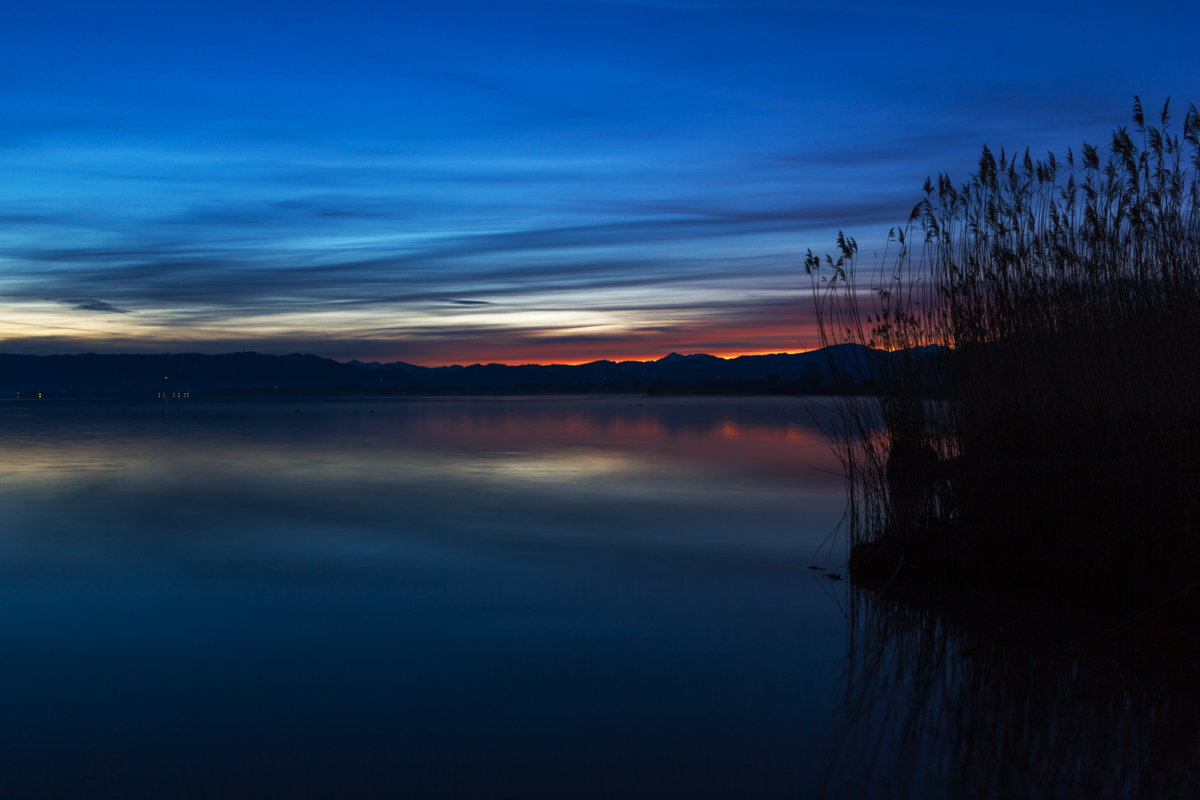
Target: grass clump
[[1034, 334]]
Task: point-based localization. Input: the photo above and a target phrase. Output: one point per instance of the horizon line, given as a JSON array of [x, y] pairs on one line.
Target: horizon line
[[568, 363]]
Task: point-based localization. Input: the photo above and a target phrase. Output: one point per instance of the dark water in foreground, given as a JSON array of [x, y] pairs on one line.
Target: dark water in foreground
[[502, 598], [499, 598]]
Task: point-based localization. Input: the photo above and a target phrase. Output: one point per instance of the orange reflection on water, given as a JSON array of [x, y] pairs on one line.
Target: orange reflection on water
[[517, 442]]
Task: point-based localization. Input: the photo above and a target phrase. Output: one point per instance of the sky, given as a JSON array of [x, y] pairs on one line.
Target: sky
[[520, 182]]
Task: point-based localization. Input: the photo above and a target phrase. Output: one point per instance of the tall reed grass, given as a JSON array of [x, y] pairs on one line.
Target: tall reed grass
[[1035, 337]]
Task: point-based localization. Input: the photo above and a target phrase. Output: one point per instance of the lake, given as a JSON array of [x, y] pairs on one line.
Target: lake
[[509, 598], [428, 598]]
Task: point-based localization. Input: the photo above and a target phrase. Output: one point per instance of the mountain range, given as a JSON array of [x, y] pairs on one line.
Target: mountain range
[[194, 372]]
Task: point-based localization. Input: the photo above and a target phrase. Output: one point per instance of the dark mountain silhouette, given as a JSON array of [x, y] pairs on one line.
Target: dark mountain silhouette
[[194, 372], [674, 367], [90, 372]]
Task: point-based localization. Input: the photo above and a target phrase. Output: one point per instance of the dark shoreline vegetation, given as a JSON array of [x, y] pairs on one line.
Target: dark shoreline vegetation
[[964, 700], [1037, 428]]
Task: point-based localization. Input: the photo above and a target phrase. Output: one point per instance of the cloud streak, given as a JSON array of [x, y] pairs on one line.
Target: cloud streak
[[92, 304], [495, 181]]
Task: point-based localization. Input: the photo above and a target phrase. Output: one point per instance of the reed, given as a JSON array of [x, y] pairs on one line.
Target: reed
[[1034, 335], [936, 707]]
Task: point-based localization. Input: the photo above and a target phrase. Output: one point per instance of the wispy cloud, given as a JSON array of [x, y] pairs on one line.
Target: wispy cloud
[[663, 246], [574, 177], [91, 304]]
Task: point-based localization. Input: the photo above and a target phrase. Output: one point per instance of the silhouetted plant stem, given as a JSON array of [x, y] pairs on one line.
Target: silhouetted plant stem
[[1034, 334]]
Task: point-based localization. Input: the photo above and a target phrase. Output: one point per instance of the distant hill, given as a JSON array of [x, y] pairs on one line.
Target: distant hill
[[193, 372], [91, 372]]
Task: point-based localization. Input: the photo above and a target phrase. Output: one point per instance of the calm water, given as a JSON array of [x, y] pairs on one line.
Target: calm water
[[505, 598], [494, 598]]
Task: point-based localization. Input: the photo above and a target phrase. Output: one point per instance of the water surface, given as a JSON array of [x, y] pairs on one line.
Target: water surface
[[451, 598]]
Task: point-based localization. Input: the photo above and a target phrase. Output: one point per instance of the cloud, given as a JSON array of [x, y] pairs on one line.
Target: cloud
[[661, 245], [722, 327], [92, 304]]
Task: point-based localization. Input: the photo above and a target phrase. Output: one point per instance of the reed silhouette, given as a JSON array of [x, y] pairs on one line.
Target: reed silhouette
[[936, 707], [1034, 338]]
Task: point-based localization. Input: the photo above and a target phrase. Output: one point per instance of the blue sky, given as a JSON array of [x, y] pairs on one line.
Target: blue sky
[[508, 181]]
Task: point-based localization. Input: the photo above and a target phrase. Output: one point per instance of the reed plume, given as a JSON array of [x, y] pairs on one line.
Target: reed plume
[[1031, 343]]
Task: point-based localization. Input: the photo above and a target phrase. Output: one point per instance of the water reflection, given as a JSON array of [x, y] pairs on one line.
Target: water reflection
[[530, 598], [533, 598], [935, 709], [614, 472]]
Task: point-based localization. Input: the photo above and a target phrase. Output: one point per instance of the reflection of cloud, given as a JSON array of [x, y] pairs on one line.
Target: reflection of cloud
[[272, 484], [513, 446]]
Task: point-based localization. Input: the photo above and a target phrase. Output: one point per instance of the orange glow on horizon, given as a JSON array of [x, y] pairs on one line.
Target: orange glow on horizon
[[642, 357], [789, 335], [759, 330]]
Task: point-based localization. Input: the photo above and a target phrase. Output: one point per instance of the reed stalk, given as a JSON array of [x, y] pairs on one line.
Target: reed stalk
[[1033, 340]]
